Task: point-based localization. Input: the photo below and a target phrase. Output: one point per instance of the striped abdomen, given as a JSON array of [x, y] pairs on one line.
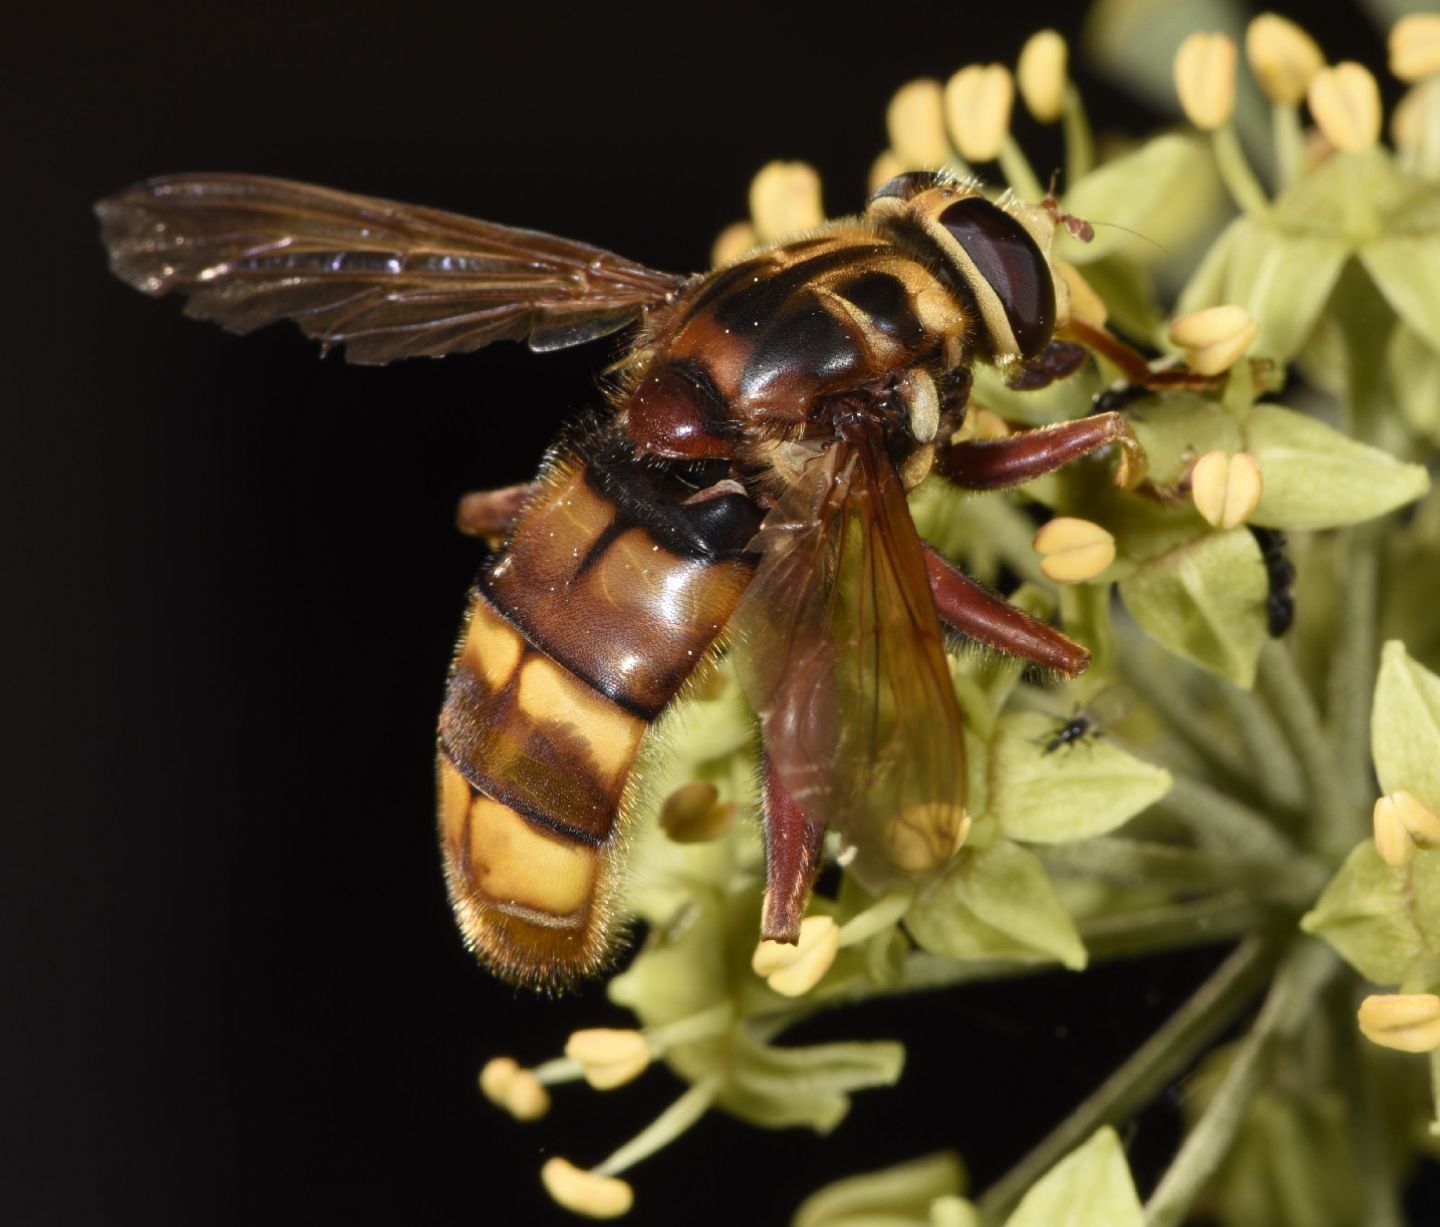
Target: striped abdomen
[[614, 586]]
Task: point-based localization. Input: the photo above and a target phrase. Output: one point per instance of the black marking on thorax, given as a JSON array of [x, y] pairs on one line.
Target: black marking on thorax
[[887, 303], [745, 297], [805, 340], [911, 239]]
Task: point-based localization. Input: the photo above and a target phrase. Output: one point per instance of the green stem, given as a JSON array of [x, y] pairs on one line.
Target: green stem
[[956, 167], [1332, 825], [1293, 883], [1426, 163], [1353, 656], [1009, 532], [664, 1129], [924, 972], [1235, 173], [1018, 172], [1366, 1120], [1158, 690], [1361, 218], [1171, 926], [1079, 140], [1364, 323], [689, 1030], [1304, 971], [879, 916], [1219, 820], [1273, 772], [1289, 138], [1153, 1066], [557, 1070]]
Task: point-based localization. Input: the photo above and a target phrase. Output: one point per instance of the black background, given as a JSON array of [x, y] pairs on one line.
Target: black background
[[236, 994]]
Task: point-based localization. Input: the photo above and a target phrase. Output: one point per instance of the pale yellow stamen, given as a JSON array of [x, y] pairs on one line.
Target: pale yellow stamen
[[1420, 821], [586, 1193], [1408, 119], [981, 424], [496, 1077], [525, 1098], [1073, 550], [792, 971], [608, 1057], [1205, 79], [1041, 75], [691, 814], [978, 101], [1282, 56], [785, 200], [885, 168], [1415, 46], [732, 243], [1214, 339], [915, 121], [1408, 1022], [1392, 840], [1345, 101], [1226, 489]]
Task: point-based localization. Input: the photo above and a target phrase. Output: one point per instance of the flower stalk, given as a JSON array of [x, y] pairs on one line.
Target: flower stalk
[[1335, 828], [1379, 1197], [1357, 649], [1145, 1073], [1236, 173], [663, 1130], [1303, 974], [1079, 139]]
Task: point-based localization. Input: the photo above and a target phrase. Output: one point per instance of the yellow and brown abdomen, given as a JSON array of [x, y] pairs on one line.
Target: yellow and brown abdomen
[[615, 585]]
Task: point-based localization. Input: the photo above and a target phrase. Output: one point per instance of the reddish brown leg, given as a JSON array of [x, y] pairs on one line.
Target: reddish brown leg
[[491, 513], [993, 464], [1132, 363], [792, 857], [965, 606]]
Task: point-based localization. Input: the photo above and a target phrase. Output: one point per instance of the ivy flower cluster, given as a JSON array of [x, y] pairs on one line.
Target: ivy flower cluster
[[1275, 788]]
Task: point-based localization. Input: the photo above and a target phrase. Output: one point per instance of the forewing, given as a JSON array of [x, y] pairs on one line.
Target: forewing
[[386, 280], [843, 660]]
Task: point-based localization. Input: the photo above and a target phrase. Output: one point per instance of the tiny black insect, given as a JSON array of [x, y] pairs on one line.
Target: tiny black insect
[[1078, 728], [1280, 572]]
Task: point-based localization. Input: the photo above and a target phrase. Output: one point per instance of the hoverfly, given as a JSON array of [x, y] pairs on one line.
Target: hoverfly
[[748, 486]]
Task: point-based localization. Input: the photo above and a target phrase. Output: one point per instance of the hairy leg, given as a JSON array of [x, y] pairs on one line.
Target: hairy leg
[[964, 606], [1132, 363], [994, 464], [491, 513], [792, 858]]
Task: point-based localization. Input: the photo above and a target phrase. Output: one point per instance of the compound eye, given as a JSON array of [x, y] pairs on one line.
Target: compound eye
[[1013, 268], [907, 186]]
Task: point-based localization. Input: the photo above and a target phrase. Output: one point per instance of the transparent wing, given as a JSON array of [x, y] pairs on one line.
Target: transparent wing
[[843, 660], [386, 280]]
